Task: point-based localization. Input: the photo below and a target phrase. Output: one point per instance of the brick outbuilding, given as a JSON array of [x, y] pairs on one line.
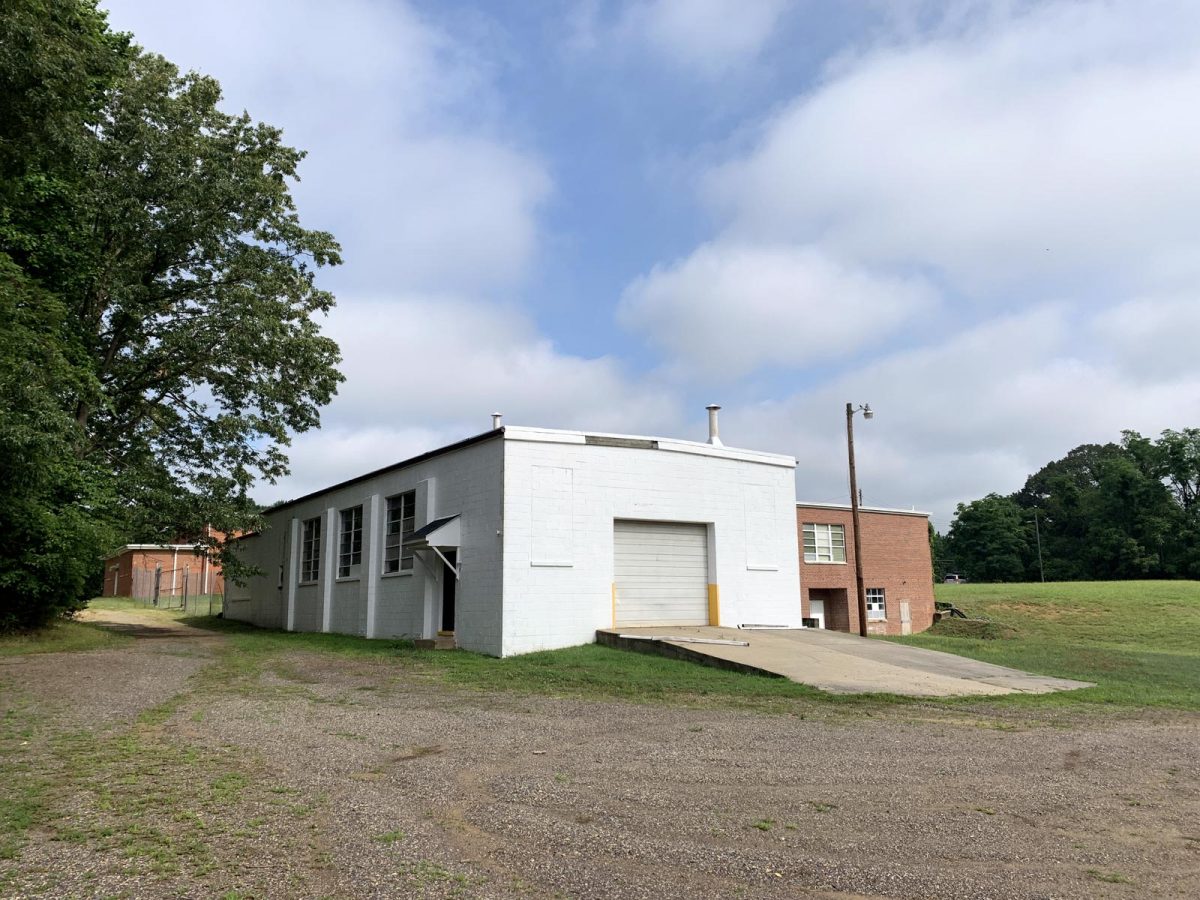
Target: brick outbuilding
[[178, 569], [897, 568]]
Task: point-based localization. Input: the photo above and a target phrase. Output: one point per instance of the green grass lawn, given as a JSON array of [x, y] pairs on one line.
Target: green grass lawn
[[119, 603], [59, 638], [169, 607], [1139, 641], [64, 636], [588, 672]]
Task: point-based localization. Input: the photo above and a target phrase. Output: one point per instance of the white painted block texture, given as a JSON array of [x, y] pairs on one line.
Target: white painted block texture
[[537, 509]]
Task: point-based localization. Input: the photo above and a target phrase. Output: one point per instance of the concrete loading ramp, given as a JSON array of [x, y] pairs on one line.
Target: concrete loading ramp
[[834, 661]]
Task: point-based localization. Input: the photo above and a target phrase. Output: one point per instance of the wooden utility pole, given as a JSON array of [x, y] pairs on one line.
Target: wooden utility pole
[[858, 566]]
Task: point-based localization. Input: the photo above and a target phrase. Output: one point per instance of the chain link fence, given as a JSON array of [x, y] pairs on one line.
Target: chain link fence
[[178, 588]]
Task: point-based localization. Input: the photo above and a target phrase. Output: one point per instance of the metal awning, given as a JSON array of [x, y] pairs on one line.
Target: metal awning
[[444, 532], [440, 534]]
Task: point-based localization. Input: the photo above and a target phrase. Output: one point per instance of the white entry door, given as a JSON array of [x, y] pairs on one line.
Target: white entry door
[[816, 610], [660, 573]]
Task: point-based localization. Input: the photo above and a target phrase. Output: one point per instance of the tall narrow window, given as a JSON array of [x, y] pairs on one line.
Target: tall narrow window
[[401, 523], [876, 604], [824, 543], [310, 550], [350, 543]]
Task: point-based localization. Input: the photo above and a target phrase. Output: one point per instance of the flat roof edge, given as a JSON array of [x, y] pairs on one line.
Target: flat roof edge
[[547, 435], [125, 547], [882, 510], [403, 464], [673, 445]]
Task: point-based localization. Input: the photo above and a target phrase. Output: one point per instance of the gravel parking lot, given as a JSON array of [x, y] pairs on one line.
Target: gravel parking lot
[[170, 768]]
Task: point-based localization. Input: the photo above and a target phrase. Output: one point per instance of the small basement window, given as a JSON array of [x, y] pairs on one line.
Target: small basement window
[[876, 604]]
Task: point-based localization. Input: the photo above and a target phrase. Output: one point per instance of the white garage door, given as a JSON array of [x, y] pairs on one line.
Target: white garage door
[[661, 573]]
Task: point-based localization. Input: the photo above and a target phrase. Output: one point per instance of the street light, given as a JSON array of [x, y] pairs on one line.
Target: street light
[[851, 409]]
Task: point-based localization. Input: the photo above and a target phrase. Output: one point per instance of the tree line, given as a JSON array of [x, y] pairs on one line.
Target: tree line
[[1113, 511], [158, 305]]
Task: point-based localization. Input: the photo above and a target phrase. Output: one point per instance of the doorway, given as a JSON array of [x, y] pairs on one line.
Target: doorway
[[660, 573], [449, 589], [834, 606]]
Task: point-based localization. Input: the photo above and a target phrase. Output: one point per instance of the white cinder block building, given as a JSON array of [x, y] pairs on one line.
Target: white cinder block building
[[524, 539]]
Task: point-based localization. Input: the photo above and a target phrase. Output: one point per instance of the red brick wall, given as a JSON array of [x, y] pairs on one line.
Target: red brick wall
[[172, 562], [117, 575], [895, 557]]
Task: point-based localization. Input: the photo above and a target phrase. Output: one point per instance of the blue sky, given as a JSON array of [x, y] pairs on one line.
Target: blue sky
[[980, 217]]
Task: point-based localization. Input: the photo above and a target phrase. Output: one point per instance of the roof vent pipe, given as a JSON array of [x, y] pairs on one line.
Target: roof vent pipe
[[714, 433], [496, 417]]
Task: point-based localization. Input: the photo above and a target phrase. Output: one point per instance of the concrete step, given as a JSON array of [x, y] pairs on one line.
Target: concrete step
[[443, 641]]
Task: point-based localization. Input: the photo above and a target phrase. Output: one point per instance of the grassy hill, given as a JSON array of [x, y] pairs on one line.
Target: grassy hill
[[1138, 640]]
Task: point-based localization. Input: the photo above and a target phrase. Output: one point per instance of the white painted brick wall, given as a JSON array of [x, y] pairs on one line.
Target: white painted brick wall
[[548, 607], [490, 484], [468, 483], [254, 602]]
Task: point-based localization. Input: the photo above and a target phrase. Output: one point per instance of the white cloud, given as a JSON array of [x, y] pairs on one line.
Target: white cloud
[[729, 309], [963, 417], [1026, 171], [446, 212], [1032, 166], [447, 358], [422, 371], [409, 164], [1151, 338], [705, 36], [312, 62], [338, 453], [1054, 146]]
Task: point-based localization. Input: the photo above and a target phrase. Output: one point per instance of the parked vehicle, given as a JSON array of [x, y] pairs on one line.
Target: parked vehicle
[[955, 579]]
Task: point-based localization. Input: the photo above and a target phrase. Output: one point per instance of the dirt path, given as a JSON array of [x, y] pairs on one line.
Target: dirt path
[[180, 767], [143, 624]]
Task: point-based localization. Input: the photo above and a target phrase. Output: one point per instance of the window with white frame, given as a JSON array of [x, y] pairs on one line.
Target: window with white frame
[[350, 543], [876, 604], [824, 543], [400, 524], [310, 549]]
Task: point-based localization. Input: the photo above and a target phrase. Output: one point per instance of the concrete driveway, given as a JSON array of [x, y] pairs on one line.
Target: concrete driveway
[[837, 662]]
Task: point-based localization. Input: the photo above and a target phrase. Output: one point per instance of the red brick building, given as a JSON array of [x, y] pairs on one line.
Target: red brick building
[[177, 568], [897, 568]]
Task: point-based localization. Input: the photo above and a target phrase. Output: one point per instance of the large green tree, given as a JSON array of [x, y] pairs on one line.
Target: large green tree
[[194, 304], [1064, 495], [1104, 511], [57, 62], [156, 277], [988, 539], [52, 498]]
